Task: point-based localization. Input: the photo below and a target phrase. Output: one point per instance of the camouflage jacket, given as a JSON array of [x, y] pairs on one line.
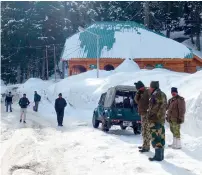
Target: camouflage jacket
[[157, 107], [176, 109], [142, 99]]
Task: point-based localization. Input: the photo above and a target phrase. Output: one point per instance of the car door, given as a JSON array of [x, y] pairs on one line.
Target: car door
[[101, 106]]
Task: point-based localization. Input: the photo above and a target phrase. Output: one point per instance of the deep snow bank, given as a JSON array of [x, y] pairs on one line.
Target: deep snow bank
[[83, 91], [128, 65], [190, 87], [34, 84], [3, 87], [2, 83]]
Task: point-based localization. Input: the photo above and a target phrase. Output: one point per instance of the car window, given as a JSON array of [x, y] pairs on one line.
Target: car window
[[102, 99]]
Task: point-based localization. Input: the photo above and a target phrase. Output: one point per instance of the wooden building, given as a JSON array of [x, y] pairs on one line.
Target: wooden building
[[120, 40]]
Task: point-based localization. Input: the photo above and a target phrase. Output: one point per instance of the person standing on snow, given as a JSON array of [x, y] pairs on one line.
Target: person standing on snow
[[60, 104], [9, 101], [37, 99], [175, 116], [24, 102], [142, 99], [156, 116]]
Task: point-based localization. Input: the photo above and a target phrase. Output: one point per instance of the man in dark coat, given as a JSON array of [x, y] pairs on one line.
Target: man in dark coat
[[24, 102], [142, 99], [175, 116], [156, 116], [37, 99], [60, 104], [9, 101]]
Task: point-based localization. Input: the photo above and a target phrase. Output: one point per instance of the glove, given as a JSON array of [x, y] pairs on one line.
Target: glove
[[179, 121]]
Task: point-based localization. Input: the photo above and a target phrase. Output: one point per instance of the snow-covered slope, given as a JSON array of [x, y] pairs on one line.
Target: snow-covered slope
[[88, 96], [128, 65], [34, 84]]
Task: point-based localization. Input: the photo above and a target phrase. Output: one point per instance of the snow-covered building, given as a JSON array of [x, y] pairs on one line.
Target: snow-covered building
[[112, 42]]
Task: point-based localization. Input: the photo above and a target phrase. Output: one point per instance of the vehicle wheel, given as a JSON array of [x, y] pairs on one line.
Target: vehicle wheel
[[123, 127], [95, 122], [104, 127], [136, 129]]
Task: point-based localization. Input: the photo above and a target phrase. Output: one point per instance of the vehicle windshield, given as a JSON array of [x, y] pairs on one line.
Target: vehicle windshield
[[125, 99]]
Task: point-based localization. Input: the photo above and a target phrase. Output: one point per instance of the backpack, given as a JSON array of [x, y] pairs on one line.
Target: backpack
[[39, 97]]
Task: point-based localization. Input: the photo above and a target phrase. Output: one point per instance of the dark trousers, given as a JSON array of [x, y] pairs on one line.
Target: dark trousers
[[36, 105], [60, 115], [7, 105]]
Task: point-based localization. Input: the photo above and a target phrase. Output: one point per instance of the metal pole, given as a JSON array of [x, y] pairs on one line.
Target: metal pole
[[97, 56], [54, 62], [47, 63]]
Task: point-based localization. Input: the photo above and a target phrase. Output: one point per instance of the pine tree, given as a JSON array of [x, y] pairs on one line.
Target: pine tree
[[193, 20]]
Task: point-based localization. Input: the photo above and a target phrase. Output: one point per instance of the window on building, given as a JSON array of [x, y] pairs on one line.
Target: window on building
[[109, 67], [149, 66]]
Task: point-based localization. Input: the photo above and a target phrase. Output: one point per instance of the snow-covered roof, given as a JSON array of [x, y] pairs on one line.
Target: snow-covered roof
[[122, 40]]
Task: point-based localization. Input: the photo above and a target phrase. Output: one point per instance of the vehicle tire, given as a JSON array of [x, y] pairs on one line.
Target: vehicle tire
[[136, 129], [95, 122], [104, 127], [123, 127]]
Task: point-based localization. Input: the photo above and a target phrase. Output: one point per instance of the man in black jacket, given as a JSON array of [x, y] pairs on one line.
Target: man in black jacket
[[60, 104], [37, 99], [24, 102], [9, 101]]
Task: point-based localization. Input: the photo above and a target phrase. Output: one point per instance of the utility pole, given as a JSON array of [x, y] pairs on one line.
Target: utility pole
[[43, 65], [54, 61], [46, 63], [98, 66]]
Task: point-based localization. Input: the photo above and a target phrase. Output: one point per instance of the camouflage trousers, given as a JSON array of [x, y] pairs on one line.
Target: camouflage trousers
[[157, 135], [175, 129], [145, 132]]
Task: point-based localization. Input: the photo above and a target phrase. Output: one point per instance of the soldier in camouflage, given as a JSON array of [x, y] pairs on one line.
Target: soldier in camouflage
[[156, 117], [175, 116], [142, 99]]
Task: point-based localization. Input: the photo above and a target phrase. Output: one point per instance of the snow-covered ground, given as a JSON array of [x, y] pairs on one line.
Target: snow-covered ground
[[39, 147]]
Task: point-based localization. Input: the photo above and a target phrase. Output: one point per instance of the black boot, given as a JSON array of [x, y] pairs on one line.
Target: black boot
[[143, 150], [140, 147], [158, 155], [162, 154]]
